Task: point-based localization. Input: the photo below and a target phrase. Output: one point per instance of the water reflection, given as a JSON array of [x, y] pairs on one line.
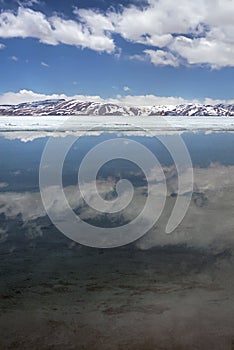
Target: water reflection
[[161, 292]]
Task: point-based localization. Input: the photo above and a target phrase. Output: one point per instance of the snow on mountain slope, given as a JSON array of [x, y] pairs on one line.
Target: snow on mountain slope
[[75, 107]]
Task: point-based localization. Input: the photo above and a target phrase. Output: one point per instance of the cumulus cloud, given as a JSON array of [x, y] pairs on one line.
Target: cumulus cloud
[[200, 32], [95, 21], [53, 30], [211, 51], [2, 46], [162, 58], [205, 29], [149, 100], [139, 100], [31, 96], [128, 100], [26, 96]]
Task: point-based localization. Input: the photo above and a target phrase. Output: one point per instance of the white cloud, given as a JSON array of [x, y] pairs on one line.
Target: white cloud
[[28, 3], [126, 88], [26, 23], [132, 100], [25, 96], [2, 46], [142, 58], [96, 22], [53, 30], [45, 64], [205, 29], [208, 23], [13, 58], [191, 32], [211, 51], [149, 100], [210, 101], [72, 33], [162, 58], [30, 96]]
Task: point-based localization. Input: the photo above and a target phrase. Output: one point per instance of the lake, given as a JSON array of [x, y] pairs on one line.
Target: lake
[[150, 290]]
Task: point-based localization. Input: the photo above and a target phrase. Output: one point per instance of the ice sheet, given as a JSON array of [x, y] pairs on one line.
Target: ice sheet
[[116, 123]]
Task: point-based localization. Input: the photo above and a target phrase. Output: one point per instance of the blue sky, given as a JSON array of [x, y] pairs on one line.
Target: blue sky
[[150, 52]]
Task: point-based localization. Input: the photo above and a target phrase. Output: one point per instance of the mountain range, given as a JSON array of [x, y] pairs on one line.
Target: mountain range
[[75, 107]]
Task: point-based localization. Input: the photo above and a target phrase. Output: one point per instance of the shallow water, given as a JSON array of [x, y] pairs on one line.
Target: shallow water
[[160, 292]]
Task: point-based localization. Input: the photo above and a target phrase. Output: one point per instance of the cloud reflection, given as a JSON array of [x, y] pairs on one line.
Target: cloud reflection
[[208, 223]]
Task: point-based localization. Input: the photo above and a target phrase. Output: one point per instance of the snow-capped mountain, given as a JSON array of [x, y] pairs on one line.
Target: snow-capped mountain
[[75, 107]]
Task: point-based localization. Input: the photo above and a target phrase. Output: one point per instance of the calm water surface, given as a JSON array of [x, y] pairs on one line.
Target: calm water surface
[[161, 292]]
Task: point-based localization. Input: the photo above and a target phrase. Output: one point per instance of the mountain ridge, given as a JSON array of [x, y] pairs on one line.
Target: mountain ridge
[[76, 107]]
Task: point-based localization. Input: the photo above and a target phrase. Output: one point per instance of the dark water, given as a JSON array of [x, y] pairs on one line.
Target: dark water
[[159, 292]]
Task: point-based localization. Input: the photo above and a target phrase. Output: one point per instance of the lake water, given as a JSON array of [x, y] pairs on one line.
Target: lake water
[[162, 291]]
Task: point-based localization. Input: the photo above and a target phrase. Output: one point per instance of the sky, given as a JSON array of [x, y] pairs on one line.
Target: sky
[[129, 51]]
